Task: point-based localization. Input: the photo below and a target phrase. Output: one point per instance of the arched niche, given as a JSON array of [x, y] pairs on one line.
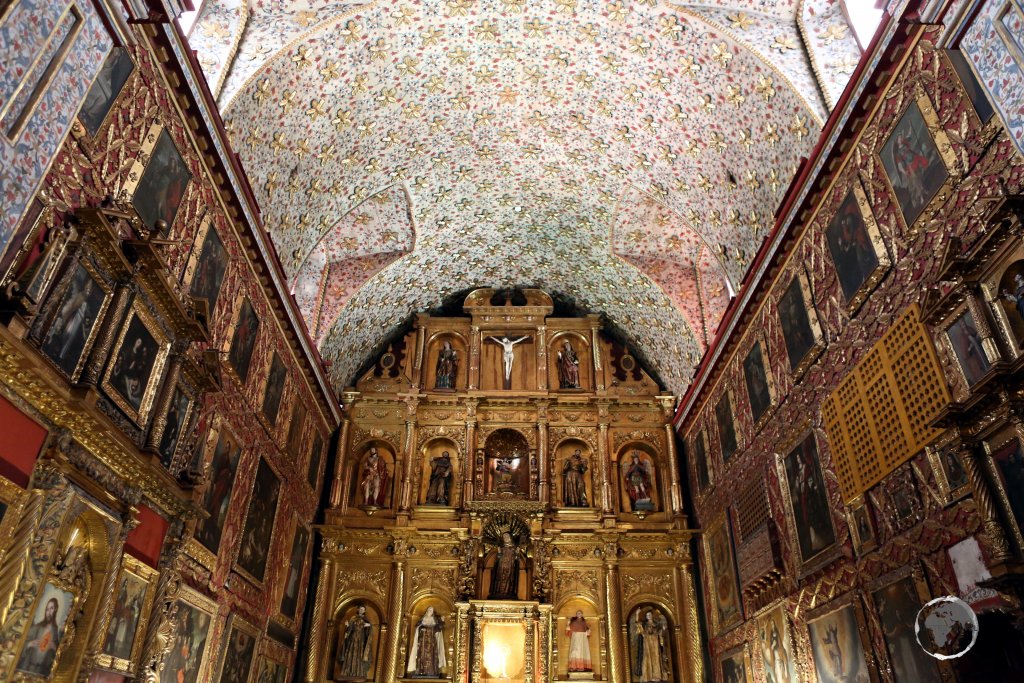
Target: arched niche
[[1010, 299], [505, 533], [567, 468], [509, 462], [650, 631], [579, 347], [639, 474], [565, 611], [360, 473], [444, 344], [431, 456], [355, 650], [524, 364], [415, 659]]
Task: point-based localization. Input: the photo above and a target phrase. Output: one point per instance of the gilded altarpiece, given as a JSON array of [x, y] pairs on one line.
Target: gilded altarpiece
[[505, 506]]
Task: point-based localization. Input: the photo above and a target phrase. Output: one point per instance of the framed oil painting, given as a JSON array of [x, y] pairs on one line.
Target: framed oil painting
[[276, 377], [862, 526], [950, 473], [755, 376], [965, 341], [809, 503], [72, 331], [735, 665], [114, 73], [186, 660], [776, 646], [296, 564], [1009, 303], [207, 267], [122, 643], [243, 340], [897, 605], [1009, 461], [258, 530], [239, 651], [856, 246], [296, 427], [726, 426], [47, 635], [722, 576], [912, 163], [161, 188], [270, 671], [133, 374], [699, 450], [316, 455], [177, 419], [217, 497], [837, 647], [799, 325], [972, 88]]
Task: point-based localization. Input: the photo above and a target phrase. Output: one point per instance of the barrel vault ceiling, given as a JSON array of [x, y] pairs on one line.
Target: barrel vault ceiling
[[627, 155]]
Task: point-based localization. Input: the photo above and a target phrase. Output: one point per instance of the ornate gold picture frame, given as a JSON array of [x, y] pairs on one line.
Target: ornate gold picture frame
[[734, 665], [702, 469], [12, 498], [725, 421], [238, 650], [963, 338], [259, 524], [838, 625], [863, 531], [125, 628], [1004, 459], [188, 658], [854, 240], [809, 505], [950, 473], [775, 643], [798, 321], [726, 608], [127, 382], [757, 369]]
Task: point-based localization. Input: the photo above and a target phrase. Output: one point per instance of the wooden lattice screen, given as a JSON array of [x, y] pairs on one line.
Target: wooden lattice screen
[[752, 507], [877, 418]]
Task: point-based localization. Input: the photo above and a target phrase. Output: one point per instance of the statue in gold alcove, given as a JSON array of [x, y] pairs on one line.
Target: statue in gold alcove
[[574, 489], [427, 656], [509, 536], [374, 480], [578, 632], [648, 635], [447, 367], [355, 650], [568, 367], [440, 479]]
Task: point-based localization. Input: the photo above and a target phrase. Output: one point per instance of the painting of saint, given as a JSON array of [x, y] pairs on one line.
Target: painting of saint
[[272, 672], [796, 324], [638, 477], [1009, 460], [355, 649], [217, 498], [966, 342], [1011, 295], [578, 633], [243, 341], [259, 522], [953, 469], [427, 654], [296, 562], [726, 428], [374, 480], [700, 461], [77, 314], [124, 619], [116, 69], [979, 100], [568, 367], [863, 528], [574, 487], [850, 245], [210, 269], [809, 500], [838, 652], [39, 653], [912, 163], [238, 656], [185, 658], [441, 471], [275, 387], [315, 456], [295, 428], [776, 647], [649, 641], [162, 186], [176, 416], [723, 576], [734, 667], [756, 378], [447, 367], [133, 364], [898, 605]]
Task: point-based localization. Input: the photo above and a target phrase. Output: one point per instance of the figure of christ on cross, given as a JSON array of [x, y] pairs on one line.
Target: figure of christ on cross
[[507, 355]]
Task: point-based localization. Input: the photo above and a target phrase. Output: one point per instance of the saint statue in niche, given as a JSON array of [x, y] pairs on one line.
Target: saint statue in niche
[[648, 634], [639, 478], [505, 575], [505, 475], [578, 632], [508, 355], [440, 480], [568, 367], [574, 490], [374, 480], [354, 652], [426, 657], [447, 367]]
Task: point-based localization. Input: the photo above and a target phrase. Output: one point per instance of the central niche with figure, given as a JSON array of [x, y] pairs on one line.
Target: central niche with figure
[[505, 538], [508, 463]]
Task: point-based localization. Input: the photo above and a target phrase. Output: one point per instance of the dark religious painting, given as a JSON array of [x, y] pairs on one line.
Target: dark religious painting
[[850, 244], [315, 456], [184, 660], [912, 163], [210, 268], [238, 656], [953, 469], [723, 576], [1010, 463], [295, 428], [125, 616], [1011, 298], [838, 651], [966, 342], [217, 498], [45, 632], [275, 387], [796, 323], [134, 362], [105, 89], [897, 606], [726, 428], [757, 382], [734, 667], [979, 100], [259, 522], [243, 341], [163, 183], [700, 461], [809, 499], [296, 562], [177, 414], [271, 672], [71, 331]]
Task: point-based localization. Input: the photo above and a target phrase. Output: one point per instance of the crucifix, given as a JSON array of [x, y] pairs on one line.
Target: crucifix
[[507, 355]]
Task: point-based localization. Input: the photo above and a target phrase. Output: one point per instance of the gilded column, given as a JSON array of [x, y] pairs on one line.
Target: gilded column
[[675, 491], [988, 342], [317, 653], [595, 345], [410, 454], [602, 459], [542, 358], [468, 460], [123, 294], [981, 471], [338, 485], [688, 616], [392, 665], [163, 403], [474, 357], [417, 361], [612, 591], [542, 453]]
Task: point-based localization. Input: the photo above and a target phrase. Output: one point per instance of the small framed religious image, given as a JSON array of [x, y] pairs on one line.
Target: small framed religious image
[[75, 323], [917, 158], [258, 530], [699, 457], [735, 665], [965, 342], [125, 632], [726, 608], [798, 319], [48, 634], [837, 645], [187, 659], [179, 414], [858, 252], [1005, 294], [239, 651], [114, 73], [862, 526], [725, 419], [243, 340], [277, 375], [216, 499], [776, 644], [207, 265], [136, 364], [161, 187], [950, 473], [809, 506], [758, 380]]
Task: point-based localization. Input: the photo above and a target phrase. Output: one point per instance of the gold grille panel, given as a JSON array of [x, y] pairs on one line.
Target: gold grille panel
[[878, 416], [752, 507]]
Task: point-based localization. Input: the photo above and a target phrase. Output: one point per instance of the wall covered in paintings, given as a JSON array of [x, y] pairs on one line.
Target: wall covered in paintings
[[806, 554]]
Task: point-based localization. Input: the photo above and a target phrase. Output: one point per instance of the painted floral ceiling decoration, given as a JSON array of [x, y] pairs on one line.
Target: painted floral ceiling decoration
[[628, 155]]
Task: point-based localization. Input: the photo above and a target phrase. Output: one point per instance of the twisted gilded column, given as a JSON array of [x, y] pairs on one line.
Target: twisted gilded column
[[392, 665], [542, 358], [606, 466], [988, 342], [318, 632], [474, 357], [688, 615], [163, 402], [596, 350], [123, 294], [417, 361], [675, 489], [410, 453], [338, 486], [981, 471], [613, 616], [542, 453]]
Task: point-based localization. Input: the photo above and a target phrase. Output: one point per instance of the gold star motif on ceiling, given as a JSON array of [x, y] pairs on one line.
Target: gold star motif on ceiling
[[435, 84], [721, 53], [431, 36], [254, 137], [565, 6], [833, 33], [301, 57], [379, 50], [535, 28], [408, 65], [589, 33], [352, 32], [661, 80], [487, 30], [639, 45], [342, 119], [302, 149], [783, 43], [689, 66], [771, 135], [671, 27], [740, 21], [618, 11], [316, 110], [458, 55], [458, 8], [507, 95], [733, 95], [330, 71], [287, 101], [765, 87], [585, 80], [262, 91], [799, 126], [325, 154], [514, 6], [402, 15]]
